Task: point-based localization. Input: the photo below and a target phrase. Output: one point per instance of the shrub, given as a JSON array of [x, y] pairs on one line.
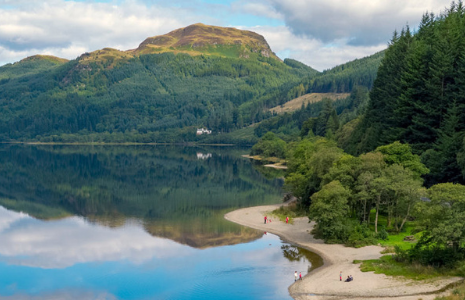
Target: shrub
[[382, 234], [360, 235]]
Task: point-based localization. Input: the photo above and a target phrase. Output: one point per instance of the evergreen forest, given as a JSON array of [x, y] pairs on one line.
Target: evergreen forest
[[418, 96], [388, 163]]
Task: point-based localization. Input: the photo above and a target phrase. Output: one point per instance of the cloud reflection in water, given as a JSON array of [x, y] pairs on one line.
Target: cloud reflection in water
[[63, 243]]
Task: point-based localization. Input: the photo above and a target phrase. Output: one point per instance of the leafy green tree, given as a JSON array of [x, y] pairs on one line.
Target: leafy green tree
[[330, 209], [368, 192], [308, 163], [270, 146], [404, 190], [444, 217], [398, 153]]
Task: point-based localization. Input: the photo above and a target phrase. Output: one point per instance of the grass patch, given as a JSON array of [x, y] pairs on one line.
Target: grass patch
[[387, 265], [388, 249], [458, 293], [292, 211], [394, 238]]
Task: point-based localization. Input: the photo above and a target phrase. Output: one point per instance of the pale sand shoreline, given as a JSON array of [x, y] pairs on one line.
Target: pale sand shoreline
[[323, 283]]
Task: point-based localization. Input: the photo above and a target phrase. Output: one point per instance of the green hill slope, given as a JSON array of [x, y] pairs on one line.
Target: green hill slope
[[355, 77], [30, 65], [156, 93]]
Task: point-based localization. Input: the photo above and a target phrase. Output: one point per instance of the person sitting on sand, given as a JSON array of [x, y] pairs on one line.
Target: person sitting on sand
[[351, 278], [348, 279]]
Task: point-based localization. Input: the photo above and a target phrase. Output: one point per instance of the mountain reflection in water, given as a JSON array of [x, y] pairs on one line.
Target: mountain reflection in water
[[137, 223], [171, 192]]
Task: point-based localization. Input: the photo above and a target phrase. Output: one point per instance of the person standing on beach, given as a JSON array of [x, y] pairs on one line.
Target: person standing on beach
[[340, 276], [300, 275], [287, 220], [265, 219], [295, 276]]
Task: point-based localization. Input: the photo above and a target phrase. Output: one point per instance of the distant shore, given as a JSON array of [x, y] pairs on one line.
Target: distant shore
[[190, 144], [323, 283], [278, 163]]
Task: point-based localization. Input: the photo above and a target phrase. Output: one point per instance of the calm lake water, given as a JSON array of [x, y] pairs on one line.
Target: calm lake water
[[108, 222]]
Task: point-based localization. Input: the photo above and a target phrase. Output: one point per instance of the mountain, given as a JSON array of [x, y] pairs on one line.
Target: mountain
[[198, 76], [200, 39]]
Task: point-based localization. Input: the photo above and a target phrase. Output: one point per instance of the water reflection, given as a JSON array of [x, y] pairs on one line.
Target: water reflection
[[63, 243], [137, 223], [172, 191], [72, 258], [297, 254]]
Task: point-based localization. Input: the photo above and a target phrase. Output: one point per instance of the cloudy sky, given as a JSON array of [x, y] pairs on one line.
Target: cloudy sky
[[320, 33]]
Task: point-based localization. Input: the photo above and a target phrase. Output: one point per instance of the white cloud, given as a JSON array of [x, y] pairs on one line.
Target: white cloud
[[39, 27], [312, 51], [320, 33], [6, 218], [63, 243], [360, 22]]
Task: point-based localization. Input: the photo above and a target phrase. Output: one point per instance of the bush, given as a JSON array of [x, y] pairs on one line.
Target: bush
[[436, 256], [382, 234], [292, 211], [401, 254], [361, 235]]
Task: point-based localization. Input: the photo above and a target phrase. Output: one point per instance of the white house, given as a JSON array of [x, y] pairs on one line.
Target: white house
[[203, 131]]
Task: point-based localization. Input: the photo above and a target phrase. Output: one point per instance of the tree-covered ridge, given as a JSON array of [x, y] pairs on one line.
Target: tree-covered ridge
[[343, 78], [123, 96], [298, 65], [419, 98], [30, 65], [333, 119], [142, 95]]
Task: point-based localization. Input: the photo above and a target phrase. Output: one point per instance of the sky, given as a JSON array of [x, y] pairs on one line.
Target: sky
[[319, 33]]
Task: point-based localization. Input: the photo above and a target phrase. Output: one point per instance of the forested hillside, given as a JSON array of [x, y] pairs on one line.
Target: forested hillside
[[355, 77], [199, 76], [113, 96], [343, 78], [419, 96]]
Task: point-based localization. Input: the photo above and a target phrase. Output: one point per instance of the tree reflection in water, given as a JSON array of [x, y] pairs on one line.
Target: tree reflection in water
[[297, 254]]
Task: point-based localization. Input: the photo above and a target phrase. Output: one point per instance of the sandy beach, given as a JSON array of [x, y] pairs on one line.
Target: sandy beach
[[323, 283]]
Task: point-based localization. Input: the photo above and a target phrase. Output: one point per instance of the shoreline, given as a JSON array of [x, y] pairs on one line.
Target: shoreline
[[188, 144], [323, 283]]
